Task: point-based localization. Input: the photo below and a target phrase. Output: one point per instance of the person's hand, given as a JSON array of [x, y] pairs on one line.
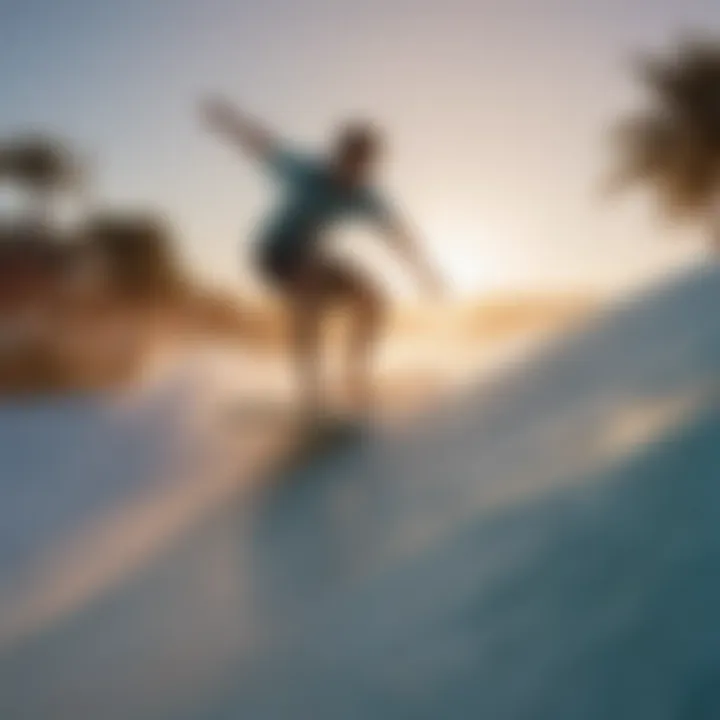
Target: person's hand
[[217, 112]]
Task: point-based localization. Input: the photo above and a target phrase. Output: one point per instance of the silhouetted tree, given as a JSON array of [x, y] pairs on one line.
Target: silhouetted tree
[[41, 166], [139, 254], [674, 145]]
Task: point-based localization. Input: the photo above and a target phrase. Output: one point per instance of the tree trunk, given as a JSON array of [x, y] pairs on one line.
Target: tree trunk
[[41, 208]]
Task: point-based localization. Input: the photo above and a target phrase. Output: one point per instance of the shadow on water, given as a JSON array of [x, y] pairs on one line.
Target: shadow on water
[[308, 520]]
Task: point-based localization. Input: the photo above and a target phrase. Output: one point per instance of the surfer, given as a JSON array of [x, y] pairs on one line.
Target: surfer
[[317, 193]]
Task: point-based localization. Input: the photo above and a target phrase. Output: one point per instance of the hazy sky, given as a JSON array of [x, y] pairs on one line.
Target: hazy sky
[[495, 109]]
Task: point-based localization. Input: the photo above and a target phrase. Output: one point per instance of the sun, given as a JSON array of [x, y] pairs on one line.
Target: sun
[[470, 267]]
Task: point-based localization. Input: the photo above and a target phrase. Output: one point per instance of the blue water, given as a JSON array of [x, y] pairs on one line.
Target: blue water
[[496, 561]]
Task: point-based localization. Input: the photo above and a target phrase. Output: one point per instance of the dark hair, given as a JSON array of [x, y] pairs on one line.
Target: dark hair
[[359, 139]]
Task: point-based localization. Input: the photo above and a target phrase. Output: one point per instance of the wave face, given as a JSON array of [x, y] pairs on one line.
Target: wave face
[[542, 547]]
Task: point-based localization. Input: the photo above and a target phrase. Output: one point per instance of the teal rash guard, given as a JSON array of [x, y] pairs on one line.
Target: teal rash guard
[[311, 201]]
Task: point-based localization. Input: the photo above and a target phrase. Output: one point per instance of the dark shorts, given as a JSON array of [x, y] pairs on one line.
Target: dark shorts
[[280, 260]]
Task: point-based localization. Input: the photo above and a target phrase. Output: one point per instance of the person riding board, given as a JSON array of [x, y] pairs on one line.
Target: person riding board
[[318, 193]]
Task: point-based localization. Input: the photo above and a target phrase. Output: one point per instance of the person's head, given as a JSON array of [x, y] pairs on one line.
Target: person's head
[[357, 150]]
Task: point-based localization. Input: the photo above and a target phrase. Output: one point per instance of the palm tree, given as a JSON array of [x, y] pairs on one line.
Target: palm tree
[[673, 146], [42, 166], [140, 254]]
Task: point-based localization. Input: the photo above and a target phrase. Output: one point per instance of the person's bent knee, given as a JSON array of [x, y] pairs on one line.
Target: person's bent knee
[[371, 305]]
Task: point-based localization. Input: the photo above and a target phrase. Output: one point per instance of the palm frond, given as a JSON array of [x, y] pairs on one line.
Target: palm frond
[[674, 145]]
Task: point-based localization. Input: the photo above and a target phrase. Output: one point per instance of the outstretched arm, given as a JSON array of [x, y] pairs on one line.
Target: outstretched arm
[[405, 242], [242, 130]]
